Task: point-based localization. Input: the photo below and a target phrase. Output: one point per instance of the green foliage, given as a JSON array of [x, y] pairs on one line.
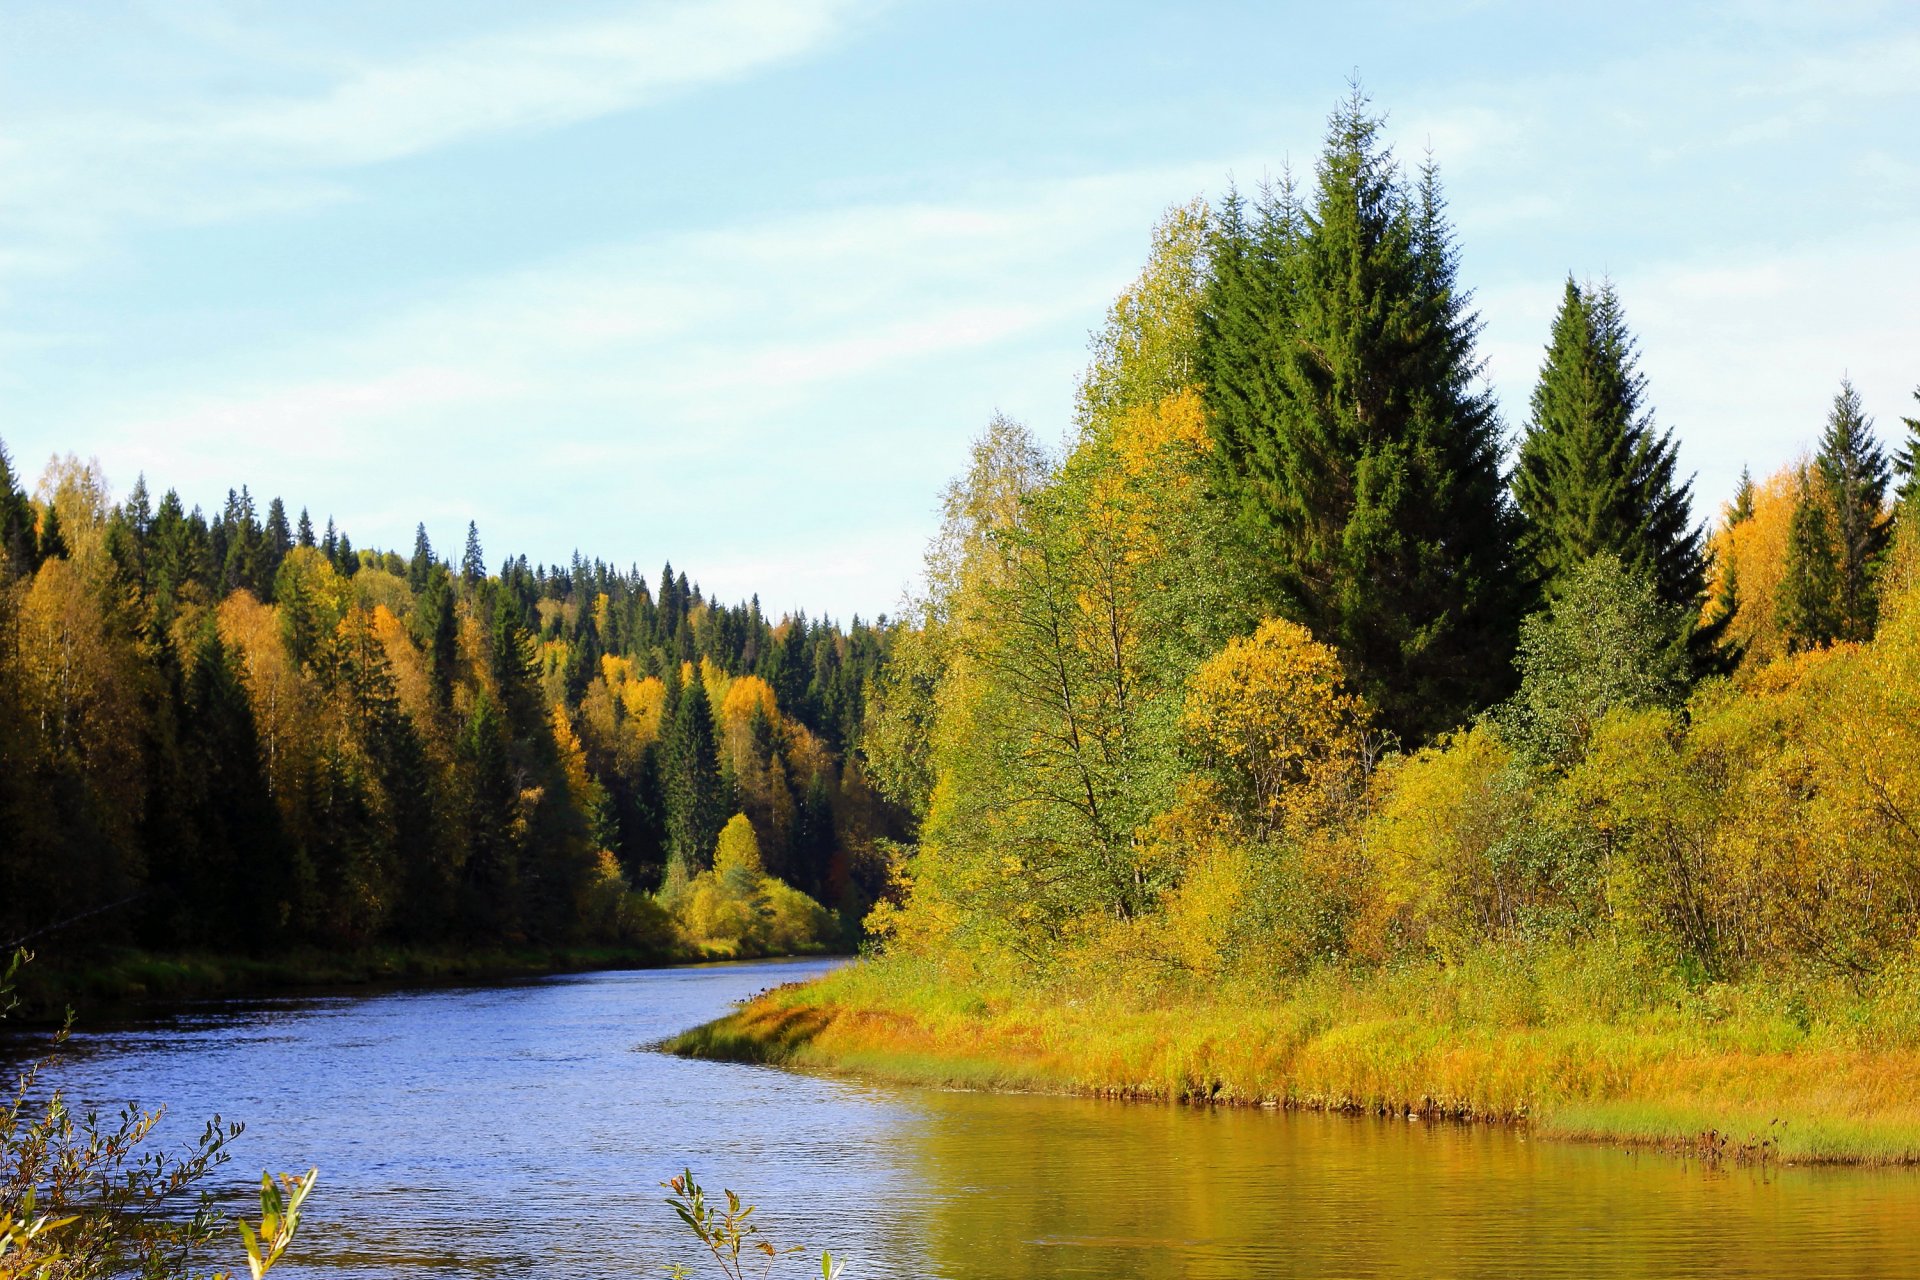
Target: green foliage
[[1337, 360], [729, 1232], [1810, 587], [1906, 462], [1607, 641], [1854, 477], [1594, 476], [87, 1197]]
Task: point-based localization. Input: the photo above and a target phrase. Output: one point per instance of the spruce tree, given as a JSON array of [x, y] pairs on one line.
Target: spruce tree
[[278, 540], [1809, 588], [1594, 475], [439, 630], [1363, 461], [18, 544], [695, 804], [1741, 509], [1907, 461], [473, 565], [422, 563], [1853, 472], [53, 543], [303, 535]]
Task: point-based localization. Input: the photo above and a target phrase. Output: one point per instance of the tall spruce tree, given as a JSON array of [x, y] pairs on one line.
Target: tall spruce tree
[[1595, 476], [1810, 586], [18, 544], [421, 565], [1906, 463], [1853, 472], [695, 803], [1352, 436], [473, 564]]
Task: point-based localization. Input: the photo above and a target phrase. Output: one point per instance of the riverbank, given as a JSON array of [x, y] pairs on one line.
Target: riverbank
[[122, 979], [1725, 1073]]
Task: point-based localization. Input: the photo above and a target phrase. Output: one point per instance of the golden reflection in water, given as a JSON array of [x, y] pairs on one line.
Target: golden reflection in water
[[1025, 1187]]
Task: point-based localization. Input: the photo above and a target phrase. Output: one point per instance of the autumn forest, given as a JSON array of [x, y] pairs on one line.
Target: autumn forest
[[240, 732]]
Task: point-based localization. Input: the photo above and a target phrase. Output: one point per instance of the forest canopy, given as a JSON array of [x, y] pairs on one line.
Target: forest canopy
[[240, 732]]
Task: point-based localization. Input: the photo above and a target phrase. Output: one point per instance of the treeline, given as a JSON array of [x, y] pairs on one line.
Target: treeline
[[238, 733], [1294, 658]]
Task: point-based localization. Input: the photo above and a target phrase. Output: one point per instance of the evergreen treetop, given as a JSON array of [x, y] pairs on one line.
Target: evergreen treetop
[[1353, 434], [1594, 475], [1854, 475]]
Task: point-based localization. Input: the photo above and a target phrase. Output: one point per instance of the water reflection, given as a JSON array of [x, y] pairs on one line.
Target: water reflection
[[520, 1131]]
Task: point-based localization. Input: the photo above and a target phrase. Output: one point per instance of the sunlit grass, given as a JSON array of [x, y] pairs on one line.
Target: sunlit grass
[[1722, 1070]]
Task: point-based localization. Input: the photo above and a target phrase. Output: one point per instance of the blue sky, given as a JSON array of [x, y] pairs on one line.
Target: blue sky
[[735, 281]]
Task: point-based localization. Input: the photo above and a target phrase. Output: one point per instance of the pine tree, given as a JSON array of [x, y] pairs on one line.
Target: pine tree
[[304, 534], [330, 544], [1594, 475], [1853, 472], [1811, 583], [1338, 363], [473, 565]]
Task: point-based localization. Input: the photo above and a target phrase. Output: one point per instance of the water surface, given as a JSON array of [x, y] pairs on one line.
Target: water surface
[[521, 1131]]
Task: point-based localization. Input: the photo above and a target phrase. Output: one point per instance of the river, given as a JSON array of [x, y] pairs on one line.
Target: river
[[521, 1131]]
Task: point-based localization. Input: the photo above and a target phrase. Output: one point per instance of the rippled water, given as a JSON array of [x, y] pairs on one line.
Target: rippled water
[[521, 1131]]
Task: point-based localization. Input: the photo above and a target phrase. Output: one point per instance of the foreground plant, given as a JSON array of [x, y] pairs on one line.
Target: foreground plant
[[82, 1196], [729, 1233]]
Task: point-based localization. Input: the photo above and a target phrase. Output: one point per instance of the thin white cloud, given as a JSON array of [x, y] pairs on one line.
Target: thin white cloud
[[70, 181], [534, 79]]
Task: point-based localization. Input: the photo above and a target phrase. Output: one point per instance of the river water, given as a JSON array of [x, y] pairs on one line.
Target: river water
[[521, 1131]]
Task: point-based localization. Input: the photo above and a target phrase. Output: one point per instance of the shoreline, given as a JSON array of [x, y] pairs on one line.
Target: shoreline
[[1798, 1105], [130, 982]]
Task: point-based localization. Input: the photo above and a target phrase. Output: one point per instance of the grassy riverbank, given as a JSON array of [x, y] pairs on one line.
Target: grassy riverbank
[[122, 978], [1548, 1041]]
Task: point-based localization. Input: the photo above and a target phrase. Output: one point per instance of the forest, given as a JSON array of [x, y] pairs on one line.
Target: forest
[[1292, 683], [240, 734]]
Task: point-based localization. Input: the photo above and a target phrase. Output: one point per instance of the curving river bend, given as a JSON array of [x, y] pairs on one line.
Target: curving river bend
[[521, 1130]]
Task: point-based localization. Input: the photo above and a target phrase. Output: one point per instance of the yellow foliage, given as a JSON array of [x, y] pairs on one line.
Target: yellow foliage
[[1177, 424], [1270, 716], [1755, 551], [736, 856], [1438, 885]]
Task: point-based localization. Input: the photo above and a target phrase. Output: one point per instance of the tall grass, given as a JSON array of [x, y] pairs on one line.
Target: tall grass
[[1574, 1042]]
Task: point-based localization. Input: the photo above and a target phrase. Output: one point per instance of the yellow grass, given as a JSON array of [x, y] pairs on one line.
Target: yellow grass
[[1746, 1084]]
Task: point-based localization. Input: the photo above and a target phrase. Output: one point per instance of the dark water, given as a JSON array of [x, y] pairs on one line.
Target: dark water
[[521, 1131]]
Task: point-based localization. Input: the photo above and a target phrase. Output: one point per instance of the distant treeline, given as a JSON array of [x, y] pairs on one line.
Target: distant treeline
[[238, 732]]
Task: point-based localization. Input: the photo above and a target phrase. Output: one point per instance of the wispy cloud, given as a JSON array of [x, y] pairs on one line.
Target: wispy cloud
[[70, 179], [533, 79]]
